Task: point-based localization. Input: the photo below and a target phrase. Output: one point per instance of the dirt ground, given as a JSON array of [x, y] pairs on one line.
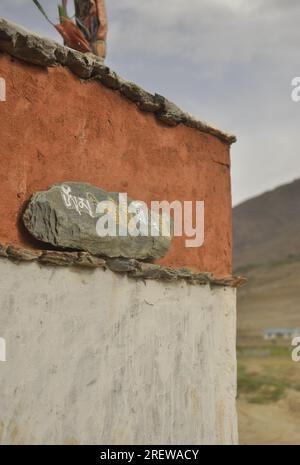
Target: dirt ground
[[268, 397], [271, 424]]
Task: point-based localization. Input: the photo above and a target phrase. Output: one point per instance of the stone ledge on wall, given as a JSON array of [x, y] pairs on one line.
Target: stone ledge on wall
[[30, 48], [131, 267]]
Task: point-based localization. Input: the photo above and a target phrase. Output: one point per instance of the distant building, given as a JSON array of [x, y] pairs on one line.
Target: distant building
[[280, 333]]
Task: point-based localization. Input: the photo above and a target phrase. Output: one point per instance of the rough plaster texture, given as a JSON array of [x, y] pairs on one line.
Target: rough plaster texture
[[98, 358], [55, 127]]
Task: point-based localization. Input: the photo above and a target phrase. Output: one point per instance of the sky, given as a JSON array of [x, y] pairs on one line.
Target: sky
[[228, 62]]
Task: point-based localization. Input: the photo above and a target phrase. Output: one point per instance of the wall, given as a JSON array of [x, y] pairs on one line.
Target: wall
[[93, 357], [56, 127]]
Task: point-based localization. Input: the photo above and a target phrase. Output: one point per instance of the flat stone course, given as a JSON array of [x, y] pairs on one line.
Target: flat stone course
[[30, 48], [135, 269]]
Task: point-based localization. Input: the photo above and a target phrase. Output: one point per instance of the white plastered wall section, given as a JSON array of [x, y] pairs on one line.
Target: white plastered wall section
[[98, 358]]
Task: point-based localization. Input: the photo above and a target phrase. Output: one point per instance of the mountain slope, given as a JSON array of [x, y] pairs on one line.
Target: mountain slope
[[267, 228], [267, 252]]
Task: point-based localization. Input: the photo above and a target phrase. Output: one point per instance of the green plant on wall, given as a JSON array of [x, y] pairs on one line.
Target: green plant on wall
[[87, 31]]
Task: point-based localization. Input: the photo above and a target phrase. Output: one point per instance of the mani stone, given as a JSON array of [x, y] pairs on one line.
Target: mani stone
[[66, 216]]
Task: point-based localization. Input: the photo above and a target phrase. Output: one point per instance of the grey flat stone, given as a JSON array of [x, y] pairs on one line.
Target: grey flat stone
[[66, 216]]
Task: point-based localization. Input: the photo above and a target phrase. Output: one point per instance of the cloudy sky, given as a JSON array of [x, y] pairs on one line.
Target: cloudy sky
[[229, 62]]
